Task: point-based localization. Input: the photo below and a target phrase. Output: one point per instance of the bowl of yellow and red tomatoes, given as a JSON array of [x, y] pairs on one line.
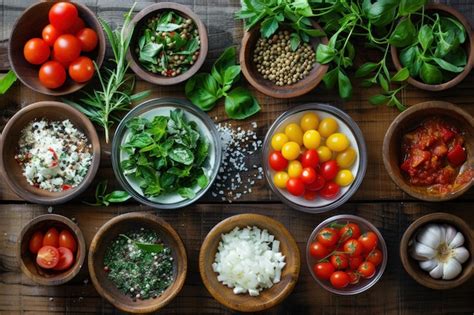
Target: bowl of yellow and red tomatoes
[[346, 254], [314, 157], [54, 45]]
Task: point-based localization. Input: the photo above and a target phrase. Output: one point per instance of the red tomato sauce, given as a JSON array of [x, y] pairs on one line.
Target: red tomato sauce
[[433, 156]]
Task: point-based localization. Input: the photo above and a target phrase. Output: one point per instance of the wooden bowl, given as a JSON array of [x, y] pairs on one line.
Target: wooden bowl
[[140, 20], [29, 25], [409, 120], [411, 265], [27, 260], [268, 297], [267, 87], [443, 10], [122, 224], [9, 146]]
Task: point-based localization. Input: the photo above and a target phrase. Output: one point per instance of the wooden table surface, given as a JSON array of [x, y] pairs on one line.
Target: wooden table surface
[[378, 199]]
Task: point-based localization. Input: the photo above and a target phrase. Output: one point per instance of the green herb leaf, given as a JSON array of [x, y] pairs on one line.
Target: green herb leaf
[[182, 155], [330, 78], [117, 196], [7, 81], [269, 27], [186, 193], [325, 54], [365, 69], [447, 66], [401, 75], [408, 7], [226, 60], [295, 41], [430, 74], [169, 27], [425, 37], [379, 99], [201, 90], [345, 85], [404, 34], [240, 104]]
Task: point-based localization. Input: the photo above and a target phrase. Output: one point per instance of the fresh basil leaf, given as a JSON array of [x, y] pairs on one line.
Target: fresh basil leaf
[[149, 52], [448, 23], [7, 81], [181, 155], [226, 60], [401, 75], [382, 12], [186, 193], [149, 248], [379, 99], [117, 196], [447, 66], [325, 54], [345, 85], [404, 34], [169, 27], [457, 57], [330, 78], [447, 41], [269, 27], [240, 104], [383, 82], [139, 141], [408, 7], [158, 127], [425, 37], [231, 74], [430, 74], [168, 181], [295, 41], [137, 124], [398, 104], [203, 181], [365, 69], [197, 91], [202, 151]]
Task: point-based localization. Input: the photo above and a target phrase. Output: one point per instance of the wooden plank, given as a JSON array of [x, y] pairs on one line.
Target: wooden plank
[[395, 293]]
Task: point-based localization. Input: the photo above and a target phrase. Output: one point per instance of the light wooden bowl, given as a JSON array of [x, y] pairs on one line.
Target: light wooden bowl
[[139, 21], [27, 260], [29, 25], [411, 265], [122, 224], [9, 146], [443, 10], [409, 120], [268, 297], [269, 88]]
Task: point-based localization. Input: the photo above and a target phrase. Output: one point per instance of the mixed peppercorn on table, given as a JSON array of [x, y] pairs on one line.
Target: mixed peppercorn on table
[[378, 199]]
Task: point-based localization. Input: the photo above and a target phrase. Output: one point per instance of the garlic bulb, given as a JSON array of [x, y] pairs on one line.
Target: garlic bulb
[[439, 250]]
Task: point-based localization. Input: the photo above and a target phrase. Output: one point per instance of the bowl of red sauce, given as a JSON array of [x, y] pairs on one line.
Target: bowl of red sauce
[[428, 151]]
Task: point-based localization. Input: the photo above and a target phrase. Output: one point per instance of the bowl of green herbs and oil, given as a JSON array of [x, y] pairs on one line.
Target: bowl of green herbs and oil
[[169, 43], [137, 262]]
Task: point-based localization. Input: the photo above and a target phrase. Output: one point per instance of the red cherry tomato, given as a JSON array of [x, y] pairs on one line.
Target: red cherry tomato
[[328, 237], [329, 191], [36, 242], [308, 175], [368, 241], [310, 195], [88, 39], [317, 184], [339, 261], [318, 251], [329, 169], [323, 270], [355, 262], [353, 248], [366, 269], [51, 238], [353, 277], [295, 186], [375, 257], [36, 51], [277, 161], [457, 155], [339, 279], [63, 15], [67, 48], [50, 34], [76, 26], [310, 158], [81, 69], [66, 239], [48, 257], [52, 74], [66, 258], [348, 231]]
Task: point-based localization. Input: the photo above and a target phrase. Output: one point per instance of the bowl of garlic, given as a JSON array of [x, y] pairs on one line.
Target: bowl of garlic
[[437, 251]]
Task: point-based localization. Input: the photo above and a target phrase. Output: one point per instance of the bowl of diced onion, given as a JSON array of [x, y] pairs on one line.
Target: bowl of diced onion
[[249, 262]]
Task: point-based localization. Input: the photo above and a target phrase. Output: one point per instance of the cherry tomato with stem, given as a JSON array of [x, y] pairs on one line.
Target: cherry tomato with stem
[[51, 238], [52, 74], [329, 169], [353, 277], [317, 184], [339, 279], [330, 190], [277, 161], [82, 69], [295, 186], [48, 257], [323, 270], [353, 248], [328, 237], [36, 242], [318, 251], [366, 269], [66, 239], [375, 257], [308, 175], [339, 261], [67, 48], [369, 241], [50, 34], [63, 15], [36, 51], [88, 39], [66, 258], [348, 231], [355, 262]]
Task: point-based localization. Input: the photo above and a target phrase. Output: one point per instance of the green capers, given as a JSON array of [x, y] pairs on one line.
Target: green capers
[[277, 62]]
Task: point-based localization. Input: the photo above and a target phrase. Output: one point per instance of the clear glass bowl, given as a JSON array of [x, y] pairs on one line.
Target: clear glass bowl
[[163, 106], [363, 284], [347, 126]]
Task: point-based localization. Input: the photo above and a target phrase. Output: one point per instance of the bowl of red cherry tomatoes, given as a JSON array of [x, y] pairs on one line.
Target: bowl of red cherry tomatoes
[[54, 45], [51, 249], [314, 157], [346, 254]]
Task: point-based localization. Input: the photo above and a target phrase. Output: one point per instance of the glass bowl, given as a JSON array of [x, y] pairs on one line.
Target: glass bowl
[[163, 106], [363, 284], [347, 126]]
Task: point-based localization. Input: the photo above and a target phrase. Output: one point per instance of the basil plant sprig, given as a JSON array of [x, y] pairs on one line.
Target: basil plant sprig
[[205, 89]]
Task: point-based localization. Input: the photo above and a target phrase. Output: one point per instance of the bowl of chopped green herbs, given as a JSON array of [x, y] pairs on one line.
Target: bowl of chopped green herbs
[[435, 47], [166, 153], [138, 262], [169, 43]]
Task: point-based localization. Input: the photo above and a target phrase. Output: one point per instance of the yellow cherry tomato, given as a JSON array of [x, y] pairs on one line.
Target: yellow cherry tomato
[[346, 158], [291, 150], [324, 153], [295, 169], [294, 133], [278, 140], [337, 142], [280, 179], [344, 178], [309, 121], [311, 139], [327, 127]]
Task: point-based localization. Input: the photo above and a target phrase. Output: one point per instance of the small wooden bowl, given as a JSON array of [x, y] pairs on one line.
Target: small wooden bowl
[[409, 120], [9, 146], [30, 25], [27, 260], [411, 265], [443, 10], [140, 20], [268, 297], [267, 87], [122, 224]]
